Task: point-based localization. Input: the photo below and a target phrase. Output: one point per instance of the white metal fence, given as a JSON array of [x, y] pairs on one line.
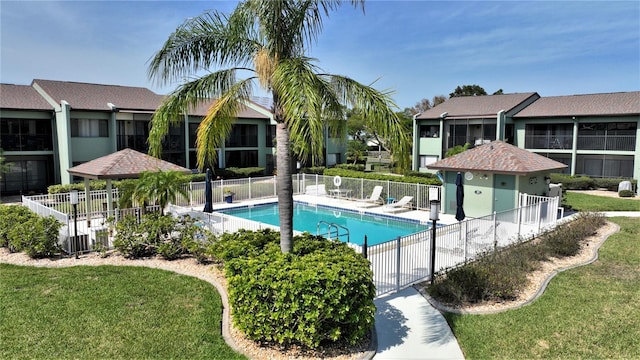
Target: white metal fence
[[395, 264], [407, 260]]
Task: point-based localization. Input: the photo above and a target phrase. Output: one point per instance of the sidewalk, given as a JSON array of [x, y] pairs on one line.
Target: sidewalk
[[408, 327]]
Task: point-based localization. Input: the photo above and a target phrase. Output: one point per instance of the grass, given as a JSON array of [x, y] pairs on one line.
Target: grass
[[585, 202], [108, 312], [587, 312]]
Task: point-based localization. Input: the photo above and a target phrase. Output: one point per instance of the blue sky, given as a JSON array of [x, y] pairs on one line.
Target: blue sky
[[417, 49]]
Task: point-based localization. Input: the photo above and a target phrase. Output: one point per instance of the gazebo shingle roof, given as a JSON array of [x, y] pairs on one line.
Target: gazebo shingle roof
[[123, 164], [498, 157]]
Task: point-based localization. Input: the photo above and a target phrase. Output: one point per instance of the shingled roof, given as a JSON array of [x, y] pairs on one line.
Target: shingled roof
[[498, 157], [22, 97], [87, 96], [477, 106], [244, 113], [123, 164], [621, 103]]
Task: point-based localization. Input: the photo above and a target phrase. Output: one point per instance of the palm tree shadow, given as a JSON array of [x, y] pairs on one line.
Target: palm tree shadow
[[390, 324]]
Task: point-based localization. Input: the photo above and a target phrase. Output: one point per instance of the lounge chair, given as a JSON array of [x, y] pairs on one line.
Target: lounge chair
[[319, 190], [403, 204], [373, 200]]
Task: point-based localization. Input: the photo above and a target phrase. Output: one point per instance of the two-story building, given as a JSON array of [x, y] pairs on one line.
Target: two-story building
[[49, 126], [594, 134]]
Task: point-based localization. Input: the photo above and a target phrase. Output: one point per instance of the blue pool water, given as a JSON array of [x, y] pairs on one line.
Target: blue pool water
[[305, 218]]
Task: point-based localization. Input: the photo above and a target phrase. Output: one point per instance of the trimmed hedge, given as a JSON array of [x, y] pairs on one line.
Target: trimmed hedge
[[427, 179], [321, 292], [570, 182], [23, 230]]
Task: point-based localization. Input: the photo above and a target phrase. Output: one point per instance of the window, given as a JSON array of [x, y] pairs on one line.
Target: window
[[25, 134], [271, 135], [89, 128], [427, 131], [243, 135], [427, 160], [193, 132], [241, 159]]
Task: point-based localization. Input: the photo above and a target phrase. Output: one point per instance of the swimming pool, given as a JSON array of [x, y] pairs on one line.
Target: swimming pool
[[377, 228]]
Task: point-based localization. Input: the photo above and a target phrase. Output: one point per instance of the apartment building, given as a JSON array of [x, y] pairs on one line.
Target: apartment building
[[593, 134], [49, 126]]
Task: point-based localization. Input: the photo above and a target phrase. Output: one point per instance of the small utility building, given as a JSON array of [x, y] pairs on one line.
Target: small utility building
[[494, 174]]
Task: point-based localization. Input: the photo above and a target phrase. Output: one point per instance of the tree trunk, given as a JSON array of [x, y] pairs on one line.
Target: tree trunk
[[284, 187]]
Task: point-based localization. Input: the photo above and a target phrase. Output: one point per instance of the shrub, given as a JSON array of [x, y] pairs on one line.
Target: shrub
[[499, 276], [40, 238], [354, 167], [165, 235], [626, 193], [320, 292], [23, 230], [376, 176], [573, 182], [11, 217], [319, 170]]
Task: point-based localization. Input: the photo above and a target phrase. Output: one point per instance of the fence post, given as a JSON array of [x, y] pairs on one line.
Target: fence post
[[249, 188], [191, 194], [398, 253], [466, 238], [364, 247], [495, 233]]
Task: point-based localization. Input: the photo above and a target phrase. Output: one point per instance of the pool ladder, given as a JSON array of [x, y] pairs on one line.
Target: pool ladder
[[332, 229]]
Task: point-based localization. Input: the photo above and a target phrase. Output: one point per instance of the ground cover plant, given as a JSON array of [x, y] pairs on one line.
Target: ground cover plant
[[585, 202], [108, 312], [589, 312]]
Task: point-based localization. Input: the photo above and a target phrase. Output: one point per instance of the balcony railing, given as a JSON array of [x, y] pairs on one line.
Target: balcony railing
[[548, 142], [607, 142]]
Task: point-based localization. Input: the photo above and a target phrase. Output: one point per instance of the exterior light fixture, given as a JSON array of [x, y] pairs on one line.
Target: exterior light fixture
[[73, 199], [434, 216]]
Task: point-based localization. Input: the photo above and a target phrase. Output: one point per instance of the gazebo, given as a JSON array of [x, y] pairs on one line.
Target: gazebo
[[493, 176], [124, 164]]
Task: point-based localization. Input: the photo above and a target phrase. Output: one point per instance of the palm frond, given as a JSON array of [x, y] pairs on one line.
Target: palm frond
[[199, 43], [377, 108], [217, 124], [188, 97]]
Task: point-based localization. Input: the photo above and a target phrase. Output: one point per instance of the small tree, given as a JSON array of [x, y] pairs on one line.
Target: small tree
[[160, 187], [457, 150]]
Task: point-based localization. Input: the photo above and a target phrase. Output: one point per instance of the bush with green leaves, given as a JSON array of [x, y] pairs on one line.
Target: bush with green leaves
[[500, 275], [165, 235], [321, 292], [425, 180], [23, 230], [626, 193]]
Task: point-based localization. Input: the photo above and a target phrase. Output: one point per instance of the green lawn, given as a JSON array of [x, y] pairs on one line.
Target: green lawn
[[589, 312], [108, 312], [585, 202]]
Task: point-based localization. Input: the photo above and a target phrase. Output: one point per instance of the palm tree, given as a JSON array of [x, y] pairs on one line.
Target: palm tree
[[264, 40], [159, 187]]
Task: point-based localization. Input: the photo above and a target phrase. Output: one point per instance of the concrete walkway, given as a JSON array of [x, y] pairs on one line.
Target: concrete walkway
[[408, 327]]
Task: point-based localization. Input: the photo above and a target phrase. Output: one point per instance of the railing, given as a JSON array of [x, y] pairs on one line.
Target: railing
[[548, 142], [607, 142], [361, 188], [585, 142], [406, 260]]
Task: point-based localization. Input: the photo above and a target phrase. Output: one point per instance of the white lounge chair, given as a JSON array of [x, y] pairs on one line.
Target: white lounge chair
[[373, 200], [400, 205], [318, 190]]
